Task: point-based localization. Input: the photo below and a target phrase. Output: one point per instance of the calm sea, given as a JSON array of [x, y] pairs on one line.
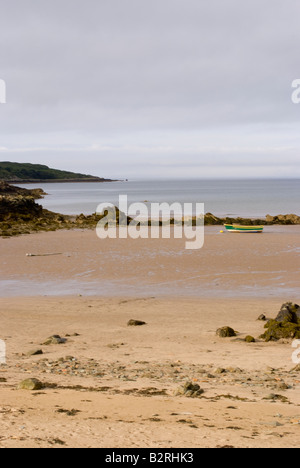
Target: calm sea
[[247, 198]]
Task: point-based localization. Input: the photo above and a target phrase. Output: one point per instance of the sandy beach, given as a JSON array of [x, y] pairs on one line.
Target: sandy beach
[[110, 385]]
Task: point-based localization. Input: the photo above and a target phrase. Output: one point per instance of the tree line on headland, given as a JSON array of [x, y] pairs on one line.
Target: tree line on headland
[[23, 173]]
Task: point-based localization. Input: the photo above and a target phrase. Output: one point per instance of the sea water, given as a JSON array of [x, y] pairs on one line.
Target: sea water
[[246, 198]]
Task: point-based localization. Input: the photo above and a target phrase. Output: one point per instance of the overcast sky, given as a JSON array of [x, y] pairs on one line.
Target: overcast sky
[[160, 88]]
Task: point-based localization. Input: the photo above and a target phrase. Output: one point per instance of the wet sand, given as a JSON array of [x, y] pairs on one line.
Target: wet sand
[[110, 385], [229, 265]]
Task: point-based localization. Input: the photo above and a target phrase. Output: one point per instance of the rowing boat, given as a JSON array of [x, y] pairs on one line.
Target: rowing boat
[[244, 229]]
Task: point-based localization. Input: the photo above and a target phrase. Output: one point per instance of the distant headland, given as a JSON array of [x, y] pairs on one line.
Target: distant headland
[[26, 173]]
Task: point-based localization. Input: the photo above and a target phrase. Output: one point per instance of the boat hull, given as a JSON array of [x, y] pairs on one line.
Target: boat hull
[[244, 229]]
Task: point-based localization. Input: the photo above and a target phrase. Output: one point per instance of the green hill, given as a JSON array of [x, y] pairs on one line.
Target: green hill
[[25, 173]]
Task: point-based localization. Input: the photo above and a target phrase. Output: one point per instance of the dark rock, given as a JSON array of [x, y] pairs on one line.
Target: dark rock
[[277, 330], [286, 324], [225, 332], [135, 323], [289, 312], [220, 370], [7, 189], [35, 352], [55, 339], [249, 339], [262, 318], [189, 389]]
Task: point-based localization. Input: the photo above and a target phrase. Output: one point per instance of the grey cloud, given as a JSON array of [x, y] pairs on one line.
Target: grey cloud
[[109, 70]]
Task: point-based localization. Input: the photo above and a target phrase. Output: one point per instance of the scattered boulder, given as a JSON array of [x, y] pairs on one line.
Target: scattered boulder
[[54, 339], [135, 323], [30, 384], [286, 325], [189, 389], [225, 332]]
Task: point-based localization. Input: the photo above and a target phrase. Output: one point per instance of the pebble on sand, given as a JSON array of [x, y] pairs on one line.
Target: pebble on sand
[[225, 332], [54, 339], [189, 389], [135, 323]]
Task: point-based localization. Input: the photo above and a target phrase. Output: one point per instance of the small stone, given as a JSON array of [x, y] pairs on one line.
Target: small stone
[[275, 397], [262, 318], [35, 352], [30, 384], [282, 386], [225, 332], [189, 389], [234, 370], [135, 323], [54, 339], [250, 339], [220, 370]]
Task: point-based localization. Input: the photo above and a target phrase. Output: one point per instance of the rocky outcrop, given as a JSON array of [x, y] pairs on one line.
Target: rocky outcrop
[[283, 219], [20, 214], [19, 208], [286, 325], [289, 312], [289, 219], [11, 190]]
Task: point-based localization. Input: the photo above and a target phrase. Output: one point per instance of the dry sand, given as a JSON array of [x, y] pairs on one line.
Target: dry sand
[[114, 386]]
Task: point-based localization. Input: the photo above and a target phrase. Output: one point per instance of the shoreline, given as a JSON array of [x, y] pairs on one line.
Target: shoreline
[[20, 214]]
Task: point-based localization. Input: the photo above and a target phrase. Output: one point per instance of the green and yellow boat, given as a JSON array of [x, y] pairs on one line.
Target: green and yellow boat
[[244, 229]]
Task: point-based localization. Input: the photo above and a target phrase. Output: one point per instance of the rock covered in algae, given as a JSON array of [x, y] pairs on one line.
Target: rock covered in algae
[[225, 332], [30, 384], [286, 325], [250, 339], [289, 312]]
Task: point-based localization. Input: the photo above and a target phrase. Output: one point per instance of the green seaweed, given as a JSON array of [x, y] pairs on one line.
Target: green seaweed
[[278, 330]]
